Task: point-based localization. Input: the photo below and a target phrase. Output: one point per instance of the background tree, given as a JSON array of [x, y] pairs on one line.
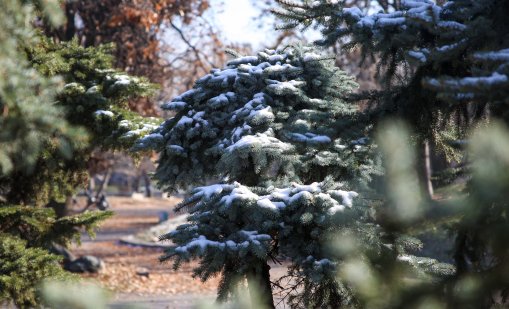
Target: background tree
[[29, 119], [277, 132], [169, 42], [94, 97], [419, 41], [445, 70], [160, 40], [58, 101], [479, 210]]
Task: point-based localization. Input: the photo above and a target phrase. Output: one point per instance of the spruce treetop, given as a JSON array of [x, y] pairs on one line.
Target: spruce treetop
[[277, 134], [437, 60], [273, 118]]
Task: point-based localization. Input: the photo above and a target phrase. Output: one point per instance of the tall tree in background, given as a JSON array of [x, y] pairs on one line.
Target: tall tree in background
[[445, 66], [259, 124], [170, 42], [416, 42], [276, 131], [58, 101], [29, 120]]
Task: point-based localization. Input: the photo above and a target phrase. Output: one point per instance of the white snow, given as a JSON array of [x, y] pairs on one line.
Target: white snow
[[404, 258], [418, 55], [244, 60], [309, 138], [201, 242], [324, 262], [151, 138], [361, 141], [259, 140], [222, 77], [122, 80], [198, 116], [253, 235], [266, 203], [322, 139], [174, 105], [93, 89], [184, 121], [208, 191], [346, 196], [72, 85], [301, 194], [104, 113], [501, 55], [218, 101], [125, 124], [391, 21], [335, 209], [280, 69], [412, 12], [238, 132], [451, 47], [353, 12], [483, 82], [186, 95], [176, 148], [283, 88], [281, 194], [494, 79], [240, 193], [261, 116], [451, 25], [277, 58], [315, 187]]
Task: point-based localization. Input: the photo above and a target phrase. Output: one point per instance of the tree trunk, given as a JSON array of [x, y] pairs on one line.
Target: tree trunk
[[91, 183], [146, 180], [104, 183], [426, 169], [260, 289], [62, 209]]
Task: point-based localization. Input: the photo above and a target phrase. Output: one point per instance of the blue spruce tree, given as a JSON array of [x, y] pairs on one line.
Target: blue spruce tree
[[286, 149], [277, 134]]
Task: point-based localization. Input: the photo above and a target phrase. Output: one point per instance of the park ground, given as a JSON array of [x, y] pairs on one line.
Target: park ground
[[133, 273]]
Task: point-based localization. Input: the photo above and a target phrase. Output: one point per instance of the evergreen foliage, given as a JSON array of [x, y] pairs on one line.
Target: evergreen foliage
[[25, 123], [479, 279], [443, 66], [21, 266], [137, 27], [280, 116], [276, 130], [94, 97], [46, 87]]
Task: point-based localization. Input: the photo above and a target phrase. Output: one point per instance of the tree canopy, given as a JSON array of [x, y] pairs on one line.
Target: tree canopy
[[58, 102]]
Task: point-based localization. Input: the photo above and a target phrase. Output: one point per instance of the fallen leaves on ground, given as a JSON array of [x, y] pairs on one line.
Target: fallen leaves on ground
[[122, 262]]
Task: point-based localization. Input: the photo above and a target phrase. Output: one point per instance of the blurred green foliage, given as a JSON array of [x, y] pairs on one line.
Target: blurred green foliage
[[93, 99], [82, 295], [58, 102], [477, 220], [443, 69]]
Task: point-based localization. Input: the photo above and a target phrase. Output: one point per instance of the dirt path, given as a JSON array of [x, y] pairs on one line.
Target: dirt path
[[160, 287]]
